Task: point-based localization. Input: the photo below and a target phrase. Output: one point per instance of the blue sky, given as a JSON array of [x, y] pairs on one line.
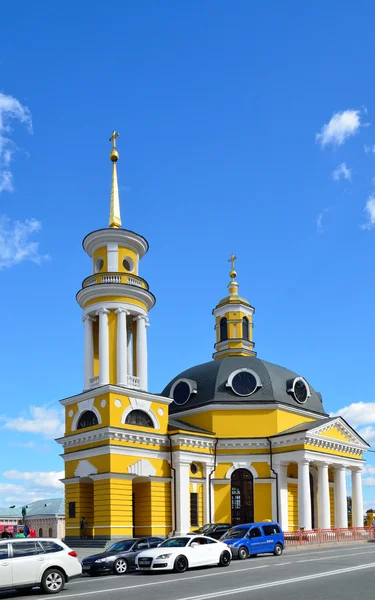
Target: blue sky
[[246, 128]]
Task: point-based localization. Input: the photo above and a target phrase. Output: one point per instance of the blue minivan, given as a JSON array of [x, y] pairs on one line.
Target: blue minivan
[[254, 538]]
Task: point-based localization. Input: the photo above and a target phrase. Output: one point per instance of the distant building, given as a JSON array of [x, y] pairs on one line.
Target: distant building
[[47, 517]]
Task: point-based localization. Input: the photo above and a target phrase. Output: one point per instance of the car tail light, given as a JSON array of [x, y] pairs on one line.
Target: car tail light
[[73, 553]]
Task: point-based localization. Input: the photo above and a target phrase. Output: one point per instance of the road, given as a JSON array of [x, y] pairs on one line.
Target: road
[[339, 573]]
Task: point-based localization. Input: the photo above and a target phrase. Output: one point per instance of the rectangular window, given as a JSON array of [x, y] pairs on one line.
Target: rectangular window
[[23, 549], [72, 510], [193, 510]]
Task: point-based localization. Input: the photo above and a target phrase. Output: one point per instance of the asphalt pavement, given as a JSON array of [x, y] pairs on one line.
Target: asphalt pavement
[[339, 573]]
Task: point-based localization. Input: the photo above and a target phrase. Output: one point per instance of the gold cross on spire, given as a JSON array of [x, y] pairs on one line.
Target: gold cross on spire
[[231, 260], [113, 138]]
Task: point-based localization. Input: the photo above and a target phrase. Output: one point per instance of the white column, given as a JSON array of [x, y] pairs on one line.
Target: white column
[[357, 497], [304, 497], [324, 511], [141, 352], [130, 350], [282, 499], [103, 346], [88, 352], [182, 474], [341, 507], [208, 515], [112, 257], [122, 343]]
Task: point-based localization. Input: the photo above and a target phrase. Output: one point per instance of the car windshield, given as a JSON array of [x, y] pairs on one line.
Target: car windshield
[[235, 532], [175, 542], [121, 546]]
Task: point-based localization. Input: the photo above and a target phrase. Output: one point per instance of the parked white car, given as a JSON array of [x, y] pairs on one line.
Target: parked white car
[[45, 562], [181, 553]]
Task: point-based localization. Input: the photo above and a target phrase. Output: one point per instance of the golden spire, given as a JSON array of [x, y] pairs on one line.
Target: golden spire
[[233, 285], [114, 211]]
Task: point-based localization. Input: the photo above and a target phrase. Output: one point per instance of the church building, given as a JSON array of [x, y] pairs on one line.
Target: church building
[[234, 440]]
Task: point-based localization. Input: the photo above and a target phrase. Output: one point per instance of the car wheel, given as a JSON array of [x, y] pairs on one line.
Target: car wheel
[[225, 559], [120, 567], [278, 550], [180, 564], [243, 553], [53, 581]]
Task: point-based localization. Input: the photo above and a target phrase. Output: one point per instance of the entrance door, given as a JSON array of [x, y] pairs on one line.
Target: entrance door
[[242, 497]]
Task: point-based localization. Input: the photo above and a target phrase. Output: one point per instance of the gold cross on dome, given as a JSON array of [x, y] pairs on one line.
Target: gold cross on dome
[[231, 260], [113, 138]]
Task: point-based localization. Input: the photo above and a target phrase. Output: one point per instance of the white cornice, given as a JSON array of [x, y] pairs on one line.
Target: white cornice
[[115, 389], [123, 237], [104, 434], [192, 441], [115, 289]]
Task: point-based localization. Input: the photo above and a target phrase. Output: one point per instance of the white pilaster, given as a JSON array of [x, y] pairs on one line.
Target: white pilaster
[[341, 507], [88, 352], [304, 497], [182, 474], [324, 511], [103, 346], [281, 471], [141, 352], [129, 349], [112, 257], [208, 515], [122, 344], [357, 497]]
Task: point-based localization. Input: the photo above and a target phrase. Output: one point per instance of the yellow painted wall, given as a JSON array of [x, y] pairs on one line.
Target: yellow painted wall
[[112, 341], [292, 506], [222, 503], [335, 434], [153, 508], [332, 505], [286, 419], [113, 513], [82, 495], [262, 501], [95, 334], [101, 253], [262, 468], [100, 298], [124, 253], [292, 470]]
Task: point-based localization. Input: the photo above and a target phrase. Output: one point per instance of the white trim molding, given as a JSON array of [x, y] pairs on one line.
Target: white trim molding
[[241, 465], [85, 406], [144, 406]]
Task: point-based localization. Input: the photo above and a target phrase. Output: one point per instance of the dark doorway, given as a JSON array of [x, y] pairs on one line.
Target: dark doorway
[[242, 497], [312, 496]]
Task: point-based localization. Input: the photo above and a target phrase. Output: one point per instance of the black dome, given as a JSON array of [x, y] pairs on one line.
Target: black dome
[[210, 382]]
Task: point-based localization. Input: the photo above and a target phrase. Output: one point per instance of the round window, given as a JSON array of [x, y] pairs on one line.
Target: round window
[[300, 391], [244, 383], [194, 469], [181, 392], [99, 264], [128, 264]]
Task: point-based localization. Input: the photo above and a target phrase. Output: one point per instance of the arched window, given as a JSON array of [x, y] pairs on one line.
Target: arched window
[[223, 330], [87, 419], [50, 532], [139, 417], [40, 532], [242, 496], [245, 328]]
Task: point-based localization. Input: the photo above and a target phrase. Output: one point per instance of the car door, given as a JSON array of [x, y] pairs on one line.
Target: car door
[[138, 547], [27, 561], [255, 539], [5, 567], [199, 552], [214, 551]]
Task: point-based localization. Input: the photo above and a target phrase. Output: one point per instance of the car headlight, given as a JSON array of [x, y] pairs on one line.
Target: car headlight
[[104, 559], [163, 556]]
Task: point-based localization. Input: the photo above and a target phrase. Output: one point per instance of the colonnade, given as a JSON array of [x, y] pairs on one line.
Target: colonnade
[[124, 350]]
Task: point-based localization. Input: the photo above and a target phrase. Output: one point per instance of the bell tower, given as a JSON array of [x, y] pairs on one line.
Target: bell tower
[[233, 322], [115, 301]]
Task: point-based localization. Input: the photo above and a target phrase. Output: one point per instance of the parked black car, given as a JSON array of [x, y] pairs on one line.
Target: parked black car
[[214, 530], [118, 558]]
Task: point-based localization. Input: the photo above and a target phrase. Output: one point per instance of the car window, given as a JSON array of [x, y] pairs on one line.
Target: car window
[[177, 542], [51, 547], [3, 551], [235, 532], [121, 546], [202, 541], [271, 529], [255, 532], [154, 542], [221, 527], [211, 541], [141, 545], [22, 549]]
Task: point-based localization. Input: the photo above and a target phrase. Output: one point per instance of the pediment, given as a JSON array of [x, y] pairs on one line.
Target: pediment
[[339, 431]]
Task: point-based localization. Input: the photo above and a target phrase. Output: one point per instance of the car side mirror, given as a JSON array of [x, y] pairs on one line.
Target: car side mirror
[[194, 545]]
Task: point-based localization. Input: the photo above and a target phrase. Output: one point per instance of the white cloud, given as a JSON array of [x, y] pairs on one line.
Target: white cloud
[[319, 223], [342, 171], [342, 125], [15, 243], [34, 486], [44, 421], [357, 413], [369, 149], [368, 434], [370, 212], [10, 110]]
